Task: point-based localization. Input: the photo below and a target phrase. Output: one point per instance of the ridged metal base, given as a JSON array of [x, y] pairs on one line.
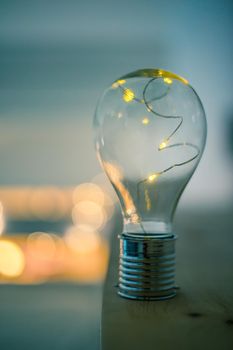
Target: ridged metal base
[[147, 267]]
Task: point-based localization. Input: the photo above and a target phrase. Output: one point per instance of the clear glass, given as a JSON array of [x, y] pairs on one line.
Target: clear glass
[[150, 134]]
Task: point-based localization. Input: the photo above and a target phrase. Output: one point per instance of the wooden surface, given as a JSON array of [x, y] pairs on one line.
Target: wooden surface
[[201, 315]]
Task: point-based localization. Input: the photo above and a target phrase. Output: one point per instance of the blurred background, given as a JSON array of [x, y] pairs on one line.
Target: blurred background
[[57, 210]]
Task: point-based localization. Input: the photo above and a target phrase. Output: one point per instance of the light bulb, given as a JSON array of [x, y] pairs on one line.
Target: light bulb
[[150, 134]]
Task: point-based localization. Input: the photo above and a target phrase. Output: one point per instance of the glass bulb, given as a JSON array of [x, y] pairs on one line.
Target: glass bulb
[[150, 135]]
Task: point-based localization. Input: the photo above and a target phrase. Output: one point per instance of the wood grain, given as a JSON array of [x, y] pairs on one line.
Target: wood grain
[[201, 315]]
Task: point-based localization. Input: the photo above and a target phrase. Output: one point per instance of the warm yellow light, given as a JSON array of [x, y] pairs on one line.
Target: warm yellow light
[[115, 174], [152, 177], [128, 95], [48, 203], [82, 239], [41, 245], [15, 201], [148, 201], [115, 85], [88, 192], [102, 181], [12, 260], [134, 218], [121, 82], [44, 203], [89, 213], [163, 145], [118, 83], [109, 197], [2, 221], [168, 81], [145, 121]]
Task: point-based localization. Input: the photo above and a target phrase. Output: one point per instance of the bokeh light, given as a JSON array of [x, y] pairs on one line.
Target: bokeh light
[[15, 201], [88, 192], [2, 220], [81, 254], [12, 260], [82, 239], [48, 204], [103, 182], [41, 245], [89, 213], [43, 203]]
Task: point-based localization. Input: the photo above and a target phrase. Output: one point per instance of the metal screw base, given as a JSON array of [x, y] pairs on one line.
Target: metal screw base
[[147, 266]]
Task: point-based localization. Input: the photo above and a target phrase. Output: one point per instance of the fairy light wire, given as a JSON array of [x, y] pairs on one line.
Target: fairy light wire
[[157, 114], [131, 97], [181, 119]]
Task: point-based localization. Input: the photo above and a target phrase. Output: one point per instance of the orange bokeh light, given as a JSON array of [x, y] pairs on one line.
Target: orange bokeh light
[[12, 260], [88, 192], [89, 213]]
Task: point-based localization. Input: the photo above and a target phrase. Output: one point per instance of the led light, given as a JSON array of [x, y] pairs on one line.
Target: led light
[[163, 145], [128, 95], [145, 121], [148, 181], [167, 81], [151, 178], [118, 83]]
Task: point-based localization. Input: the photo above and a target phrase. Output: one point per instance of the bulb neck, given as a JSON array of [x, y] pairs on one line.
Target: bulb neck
[[147, 266], [150, 227]]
